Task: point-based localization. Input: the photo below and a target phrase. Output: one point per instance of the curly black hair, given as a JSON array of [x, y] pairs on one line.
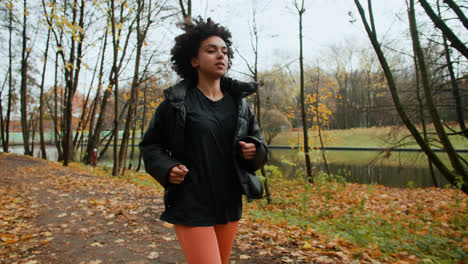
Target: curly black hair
[[187, 45]]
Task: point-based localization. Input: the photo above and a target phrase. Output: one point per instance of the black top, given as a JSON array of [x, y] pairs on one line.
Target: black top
[[210, 193]]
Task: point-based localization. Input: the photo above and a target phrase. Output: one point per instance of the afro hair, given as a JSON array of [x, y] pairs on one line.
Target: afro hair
[[187, 45]]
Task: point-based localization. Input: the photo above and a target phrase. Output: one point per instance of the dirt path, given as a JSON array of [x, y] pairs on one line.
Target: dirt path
[[53, 214]]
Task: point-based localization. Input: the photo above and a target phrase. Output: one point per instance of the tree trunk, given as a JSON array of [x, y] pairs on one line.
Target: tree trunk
[[115, 83], [186, 12], [33, 124], [448, 33], [449, 149], [24, 85], [104, 149], [141, 36], [2, 121], [303, 112], [318, 123], [457, 11], [95, 130], [132, 152], [423, 118], [10, 80], [57, 121], [455, 91], [143, 122], [451, 177], [72, 82], [453, 81], [41, 100]]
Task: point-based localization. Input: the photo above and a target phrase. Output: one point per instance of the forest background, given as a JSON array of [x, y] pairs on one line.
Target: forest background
[[80, 76], [66, 62]]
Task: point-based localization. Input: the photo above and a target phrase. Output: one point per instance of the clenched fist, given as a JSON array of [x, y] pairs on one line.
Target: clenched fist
[[177, 174], [249, 150]]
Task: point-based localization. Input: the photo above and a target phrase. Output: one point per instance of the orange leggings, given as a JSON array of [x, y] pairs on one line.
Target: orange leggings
[[207, 245]]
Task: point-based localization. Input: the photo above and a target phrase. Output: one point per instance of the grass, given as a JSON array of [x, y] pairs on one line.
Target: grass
[[388, 223], [362, 158], [361, 137]]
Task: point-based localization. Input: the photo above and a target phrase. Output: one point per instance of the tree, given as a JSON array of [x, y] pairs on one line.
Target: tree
[[95, 129], [24, 86], [343, 56], [448, 33], [452, 177], [301, 10], [142, 28], [115, 84], [274, 122], [6, 131], [186, 10], [450, 69], [41, 99], [317, 107], [74, 28], [124, 18], [434, 114], [253, 69]]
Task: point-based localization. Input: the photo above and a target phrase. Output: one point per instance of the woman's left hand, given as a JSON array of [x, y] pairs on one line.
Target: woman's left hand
[[249, 150]]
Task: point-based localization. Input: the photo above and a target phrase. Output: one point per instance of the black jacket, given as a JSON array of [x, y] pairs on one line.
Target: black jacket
[[162, 145]]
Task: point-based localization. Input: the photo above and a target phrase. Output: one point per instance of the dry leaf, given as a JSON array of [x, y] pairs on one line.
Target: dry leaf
[[244, 257], [167, 225], [97, 244], [153, 255]]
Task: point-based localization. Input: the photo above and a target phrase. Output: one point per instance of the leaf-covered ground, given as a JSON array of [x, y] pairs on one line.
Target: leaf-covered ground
[[53, 214]]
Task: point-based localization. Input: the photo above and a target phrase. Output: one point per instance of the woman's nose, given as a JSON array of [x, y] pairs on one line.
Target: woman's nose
[[220, 54]]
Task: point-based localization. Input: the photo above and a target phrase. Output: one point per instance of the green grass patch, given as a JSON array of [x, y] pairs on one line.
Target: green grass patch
[[372, 217], [362, 137]]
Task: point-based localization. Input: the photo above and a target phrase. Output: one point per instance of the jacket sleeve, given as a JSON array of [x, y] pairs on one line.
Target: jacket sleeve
[[255, 136], [156, 156]]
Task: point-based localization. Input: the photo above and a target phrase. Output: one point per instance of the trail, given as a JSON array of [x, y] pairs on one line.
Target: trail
[[54, 214]]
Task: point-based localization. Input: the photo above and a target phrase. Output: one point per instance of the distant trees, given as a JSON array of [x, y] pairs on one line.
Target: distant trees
[[274, 122]]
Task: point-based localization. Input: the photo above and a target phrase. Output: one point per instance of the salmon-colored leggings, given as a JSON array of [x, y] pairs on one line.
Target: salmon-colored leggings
[[207, 245]]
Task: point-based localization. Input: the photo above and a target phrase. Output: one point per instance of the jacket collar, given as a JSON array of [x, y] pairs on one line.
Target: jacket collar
[[176, 94]]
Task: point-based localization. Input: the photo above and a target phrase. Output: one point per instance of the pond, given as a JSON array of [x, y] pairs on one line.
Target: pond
[[400, 169]]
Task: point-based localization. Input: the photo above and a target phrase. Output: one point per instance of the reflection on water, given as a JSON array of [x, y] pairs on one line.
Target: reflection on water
[[404, 170]]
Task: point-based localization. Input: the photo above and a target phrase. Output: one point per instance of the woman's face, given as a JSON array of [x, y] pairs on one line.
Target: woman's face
[[212, 59]]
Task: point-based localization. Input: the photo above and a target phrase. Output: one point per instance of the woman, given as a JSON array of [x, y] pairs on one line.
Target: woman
[[203, 145]]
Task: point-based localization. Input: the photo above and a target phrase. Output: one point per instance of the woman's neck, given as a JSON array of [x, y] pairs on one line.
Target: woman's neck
[[210, 87]]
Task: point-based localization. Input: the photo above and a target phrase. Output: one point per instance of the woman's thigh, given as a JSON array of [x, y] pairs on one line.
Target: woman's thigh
[[199, 244], [226, 234], [207, 245]]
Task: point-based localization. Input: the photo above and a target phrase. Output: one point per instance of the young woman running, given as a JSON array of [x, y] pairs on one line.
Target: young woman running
[[203, 145]]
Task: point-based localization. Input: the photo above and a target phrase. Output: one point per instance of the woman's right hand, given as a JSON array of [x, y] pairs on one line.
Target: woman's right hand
[[177, 174]]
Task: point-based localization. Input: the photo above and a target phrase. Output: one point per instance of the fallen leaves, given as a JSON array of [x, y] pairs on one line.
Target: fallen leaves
[[288, 225], [43, 205], [303, 225]]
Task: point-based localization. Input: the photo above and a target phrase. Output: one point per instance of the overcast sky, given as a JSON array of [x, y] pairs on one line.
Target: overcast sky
[[325, 23]]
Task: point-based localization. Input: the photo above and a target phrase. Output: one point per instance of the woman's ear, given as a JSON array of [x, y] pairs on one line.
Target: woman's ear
[[194, 62]]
